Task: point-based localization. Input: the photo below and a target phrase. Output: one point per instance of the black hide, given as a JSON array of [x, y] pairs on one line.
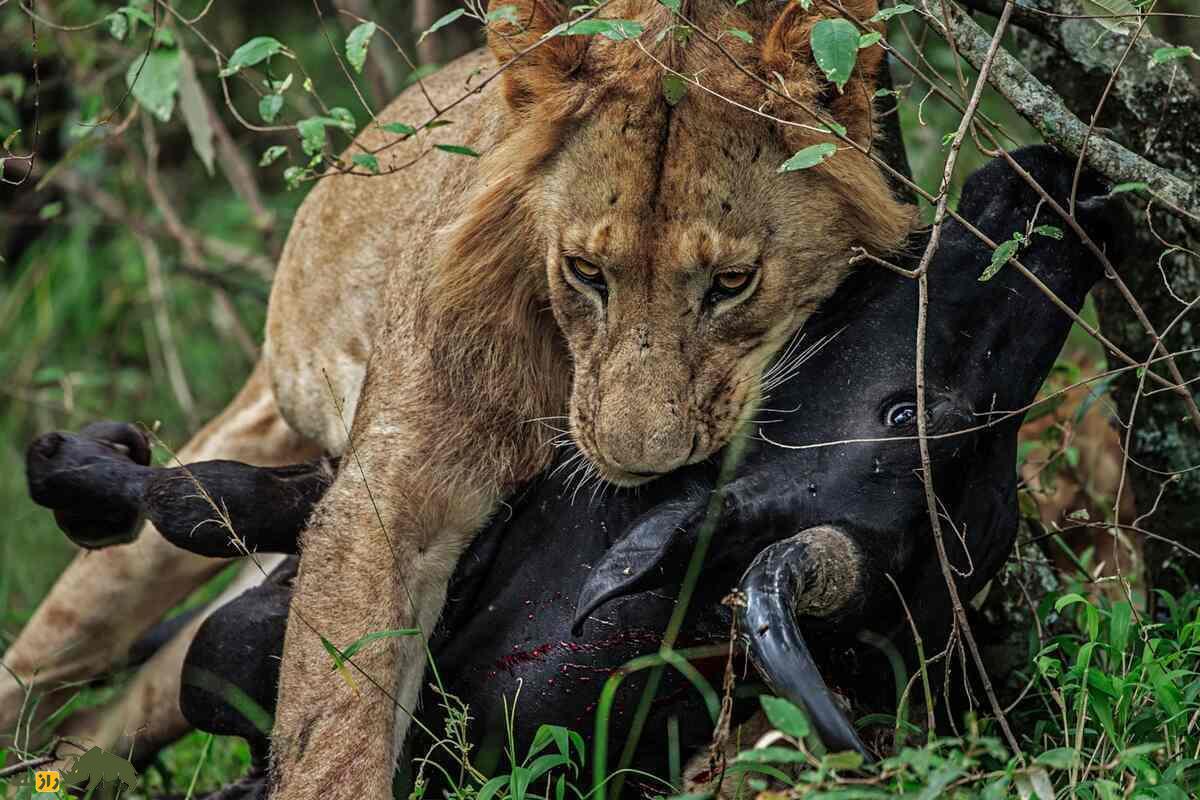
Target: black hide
[[842, 452]]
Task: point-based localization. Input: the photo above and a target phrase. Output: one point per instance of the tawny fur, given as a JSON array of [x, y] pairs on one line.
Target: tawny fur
[[431, 314]]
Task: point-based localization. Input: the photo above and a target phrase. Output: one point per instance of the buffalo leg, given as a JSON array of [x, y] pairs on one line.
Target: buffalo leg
[[106, 599]]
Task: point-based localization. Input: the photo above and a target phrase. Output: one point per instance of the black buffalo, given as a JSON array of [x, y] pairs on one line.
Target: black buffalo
[[824, 503]]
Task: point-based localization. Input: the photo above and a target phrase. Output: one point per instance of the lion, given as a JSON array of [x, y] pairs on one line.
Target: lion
[[621, 259]]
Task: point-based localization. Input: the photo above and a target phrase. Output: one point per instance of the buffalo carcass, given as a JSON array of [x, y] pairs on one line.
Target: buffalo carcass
[[825, 502]]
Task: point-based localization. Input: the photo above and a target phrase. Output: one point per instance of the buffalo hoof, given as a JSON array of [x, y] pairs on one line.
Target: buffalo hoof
[[93, 481]]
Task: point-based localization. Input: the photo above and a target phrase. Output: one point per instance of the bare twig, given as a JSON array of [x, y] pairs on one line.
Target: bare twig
[[1046, 111], [960, 614]]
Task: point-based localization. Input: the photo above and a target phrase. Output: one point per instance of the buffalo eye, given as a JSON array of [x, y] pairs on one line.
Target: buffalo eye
[[900, 415], [587, 273], [730, 283]]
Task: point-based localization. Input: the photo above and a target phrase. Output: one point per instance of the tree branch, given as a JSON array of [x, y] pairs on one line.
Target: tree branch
[[1045, 110]]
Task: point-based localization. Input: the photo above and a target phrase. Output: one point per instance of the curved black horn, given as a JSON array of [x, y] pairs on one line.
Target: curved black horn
[[817, 572]]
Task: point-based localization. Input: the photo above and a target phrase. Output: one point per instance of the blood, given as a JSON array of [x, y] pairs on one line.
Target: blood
[[639, 639]]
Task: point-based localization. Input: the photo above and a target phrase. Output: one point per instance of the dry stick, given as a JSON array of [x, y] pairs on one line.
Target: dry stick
[[31, 158], [1112, 79], [162, 322], [966, 30], [188, 242], [960, 614], [33, 763], [1026, 93], [1050, 116], [914, 187], [1111, 273]]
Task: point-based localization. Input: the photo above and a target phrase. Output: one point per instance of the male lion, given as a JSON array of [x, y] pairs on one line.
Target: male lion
[[611, 256]]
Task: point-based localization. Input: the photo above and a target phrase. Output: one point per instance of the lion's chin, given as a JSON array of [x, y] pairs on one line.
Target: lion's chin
[[622, 478]]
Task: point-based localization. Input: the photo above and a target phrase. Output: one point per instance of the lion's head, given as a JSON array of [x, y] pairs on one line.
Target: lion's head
[[676, 257]]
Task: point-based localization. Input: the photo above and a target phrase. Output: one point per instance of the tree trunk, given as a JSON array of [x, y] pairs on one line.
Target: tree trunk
[[1153, 110]]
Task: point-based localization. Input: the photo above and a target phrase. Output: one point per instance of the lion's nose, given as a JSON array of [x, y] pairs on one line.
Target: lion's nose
[[645, 444]]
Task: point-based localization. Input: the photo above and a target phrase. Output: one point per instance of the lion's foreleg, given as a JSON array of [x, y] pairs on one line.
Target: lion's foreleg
[[377, 560]]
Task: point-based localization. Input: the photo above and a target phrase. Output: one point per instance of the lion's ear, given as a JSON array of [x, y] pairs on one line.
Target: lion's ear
[[787, 53], [542, 75]]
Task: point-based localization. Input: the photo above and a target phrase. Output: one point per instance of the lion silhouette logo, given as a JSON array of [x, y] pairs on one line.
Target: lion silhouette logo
[[96, 767]]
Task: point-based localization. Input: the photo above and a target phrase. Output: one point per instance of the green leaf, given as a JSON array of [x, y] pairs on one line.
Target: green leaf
[[357, 42], [50, 210], [312, 135], [195, 112], [1119, 626], [1058, 758], [252, 52], [400, 129], [271, 155], [1035, 782], [884, 14], [492, 787], [342, 118], [544, 764], [738, 33], [13, 85], [442, 22], [362, 641], [1132, 186], [137, 15], [834, 127], [1118, 16], [508, 13], [118, 25], [366, 161], [674, 89], [292, 176], [785, 716], [268, 107], [835, 48], [771, 755], [1000, 257], [868, 39], [674, 5], [339, 661], [457, 149], [809, 157], [615, 29], [847, 760], [1164, 54], [519, 784], [1070, 599], [1049, 231], [154, 79]]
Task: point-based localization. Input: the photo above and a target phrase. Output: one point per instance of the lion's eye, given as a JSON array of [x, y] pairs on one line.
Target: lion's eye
[[730, 283], [587, 272]]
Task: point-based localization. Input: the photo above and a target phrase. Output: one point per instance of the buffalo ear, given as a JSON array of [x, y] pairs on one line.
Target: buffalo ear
[[542, 76], [787, 53]]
